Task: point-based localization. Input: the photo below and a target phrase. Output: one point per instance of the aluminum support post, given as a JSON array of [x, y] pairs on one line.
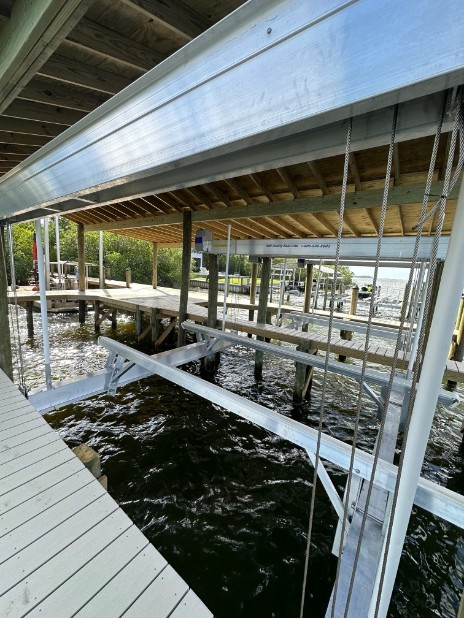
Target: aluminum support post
[[43, 304], [47, 252], [436, 355], [101, 267], [58, 251]]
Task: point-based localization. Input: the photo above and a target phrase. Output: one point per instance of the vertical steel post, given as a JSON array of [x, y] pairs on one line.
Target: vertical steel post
[[43, 304], [47, 252], [58, 252], [101, 267], [226, 283], [436, 355]]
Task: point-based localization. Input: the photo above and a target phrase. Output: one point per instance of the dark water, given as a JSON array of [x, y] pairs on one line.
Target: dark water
[[227, 503]]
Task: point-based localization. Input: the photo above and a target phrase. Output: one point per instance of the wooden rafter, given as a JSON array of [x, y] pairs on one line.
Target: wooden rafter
[[30, 37], [239, 190], [396, 164], [175, 15], [22, 139], [30, 127], [285, 175], [76, 73], [51, 93], [349, 224], [370, 214], [29, 110], [318, 176], [108, 43], [354, 171], [196, 194], [400, 217], [323, 221], [261, 187], [218, 194]]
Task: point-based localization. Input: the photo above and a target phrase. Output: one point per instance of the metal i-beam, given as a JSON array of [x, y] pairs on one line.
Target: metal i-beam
[[378, 378], [148, 136], [393, 248], [438, 500]]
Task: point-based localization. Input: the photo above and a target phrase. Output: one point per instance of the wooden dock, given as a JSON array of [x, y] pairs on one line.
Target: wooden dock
[[66, 548], [166, 303]]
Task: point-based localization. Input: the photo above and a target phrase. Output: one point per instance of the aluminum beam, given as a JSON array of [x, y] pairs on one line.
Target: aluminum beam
[[438, 500], [92, 384], [378, 378], [215, 107], [398, 248]]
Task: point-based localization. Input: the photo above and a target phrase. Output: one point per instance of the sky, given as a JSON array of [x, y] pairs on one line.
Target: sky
[[384, 273]]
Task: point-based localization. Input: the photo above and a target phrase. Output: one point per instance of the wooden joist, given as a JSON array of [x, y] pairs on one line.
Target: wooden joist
[[45, 113], [175, 15], [30, 36], [108, 43], [29, 127], [45, 91]]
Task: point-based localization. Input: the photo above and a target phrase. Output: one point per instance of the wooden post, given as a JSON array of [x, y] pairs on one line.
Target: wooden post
[[262, 311], [138, 322], [348, 334], [128, 277], [6, 360], [154, 326], [303, 373], [30, 319], [81, 269], [458, 354], [155, 266], [185, 280], [253, 285], [114, 319], [96, 308], [211, 362]]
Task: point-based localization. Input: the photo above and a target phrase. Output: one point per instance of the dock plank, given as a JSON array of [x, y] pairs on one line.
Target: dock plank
[[65, 545]]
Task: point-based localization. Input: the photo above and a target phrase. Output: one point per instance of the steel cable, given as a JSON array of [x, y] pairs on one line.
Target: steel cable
[[326, 364], [447, 186]]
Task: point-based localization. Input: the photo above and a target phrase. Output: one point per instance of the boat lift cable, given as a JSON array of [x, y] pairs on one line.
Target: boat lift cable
[[398, 343], [326, 365], [14, 327], [395, 356], [360, 396], [458, 127]]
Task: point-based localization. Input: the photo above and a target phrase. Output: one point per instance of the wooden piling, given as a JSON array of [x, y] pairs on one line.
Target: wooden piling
[[154, 280], [6, 361], [253, 286], [81, 269], [114, 319], [30, 319], [347, 335], [303, 373], [96, 309], [211, 362], [262, 311], [154, 325], [128, 277], [185, 280], [458, 348], [138, 322]]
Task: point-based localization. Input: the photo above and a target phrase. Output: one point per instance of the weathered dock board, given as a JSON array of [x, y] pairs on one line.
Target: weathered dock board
[[66, 548], [166, 302]]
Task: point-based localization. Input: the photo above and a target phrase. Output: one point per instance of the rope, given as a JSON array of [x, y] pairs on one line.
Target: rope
[[458, 126], [324, 382]]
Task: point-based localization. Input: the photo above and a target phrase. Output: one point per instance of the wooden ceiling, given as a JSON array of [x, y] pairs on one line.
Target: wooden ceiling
[[113, 44], [297, 201]]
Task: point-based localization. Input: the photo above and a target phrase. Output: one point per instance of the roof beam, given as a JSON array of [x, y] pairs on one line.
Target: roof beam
[[30, 36], [51, 93], [354, 171], [370, 214], [404, 194], [29, 110], [110, 44], [76, 73], [30, 127], [172, 14], [318, 176], [7, 137], [284, 174]]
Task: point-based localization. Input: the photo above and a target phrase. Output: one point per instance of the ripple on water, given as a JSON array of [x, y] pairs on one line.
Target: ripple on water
[[227, 503]]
